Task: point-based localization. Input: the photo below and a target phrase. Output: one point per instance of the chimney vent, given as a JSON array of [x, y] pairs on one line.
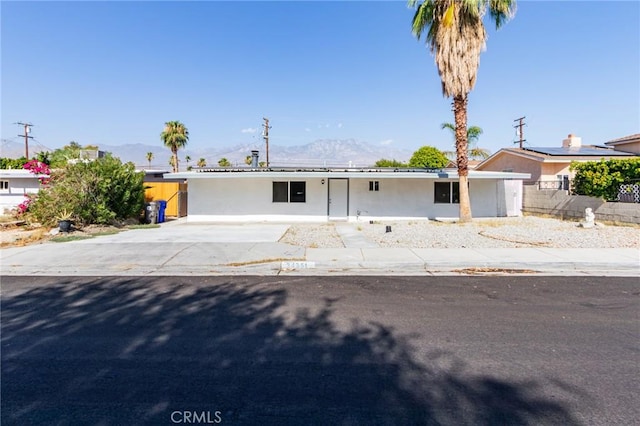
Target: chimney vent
[[254, 159], [572, 141]]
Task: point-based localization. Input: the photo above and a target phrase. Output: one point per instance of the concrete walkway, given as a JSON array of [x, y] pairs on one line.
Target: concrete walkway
[[178, 248]]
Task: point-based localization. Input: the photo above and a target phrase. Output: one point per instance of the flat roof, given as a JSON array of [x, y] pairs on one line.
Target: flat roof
[[20, 174], [352, 173]]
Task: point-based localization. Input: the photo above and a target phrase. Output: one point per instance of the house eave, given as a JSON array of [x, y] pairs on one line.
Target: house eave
[[368, 173]]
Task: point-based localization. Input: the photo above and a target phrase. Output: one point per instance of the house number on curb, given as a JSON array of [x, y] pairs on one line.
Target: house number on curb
[[297, 265]]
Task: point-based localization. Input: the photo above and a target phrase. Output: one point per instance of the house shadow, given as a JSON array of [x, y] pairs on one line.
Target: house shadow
[[139, 350]]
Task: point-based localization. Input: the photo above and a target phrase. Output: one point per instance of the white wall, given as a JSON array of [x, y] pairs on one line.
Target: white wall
[[18, 187], [242, 199], [484, 198], [251, 199]]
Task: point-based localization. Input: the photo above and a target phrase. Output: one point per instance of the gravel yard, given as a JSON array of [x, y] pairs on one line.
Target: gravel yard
[[528, 231]]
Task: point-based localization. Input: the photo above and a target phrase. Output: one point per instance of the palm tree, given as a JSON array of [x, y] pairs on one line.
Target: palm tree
[[149, 158], [223, 162], [248, 160], [456, 36], [174, 136], [473, 134], [202, 162]]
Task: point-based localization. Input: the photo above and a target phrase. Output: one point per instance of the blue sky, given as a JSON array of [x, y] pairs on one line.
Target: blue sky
[[114, 72]]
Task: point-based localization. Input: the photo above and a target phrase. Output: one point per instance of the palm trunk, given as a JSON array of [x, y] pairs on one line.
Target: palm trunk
[[175, 161], [462, 158]]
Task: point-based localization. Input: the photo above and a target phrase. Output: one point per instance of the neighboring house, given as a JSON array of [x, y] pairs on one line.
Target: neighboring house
[[322, 194], [548, 166], [14, 185], [629, 143]]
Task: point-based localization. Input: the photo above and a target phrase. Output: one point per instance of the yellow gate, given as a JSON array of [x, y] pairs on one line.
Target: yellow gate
[[171, 192]]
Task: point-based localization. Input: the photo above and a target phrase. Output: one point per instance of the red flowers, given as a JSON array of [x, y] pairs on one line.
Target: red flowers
[[38, 168]]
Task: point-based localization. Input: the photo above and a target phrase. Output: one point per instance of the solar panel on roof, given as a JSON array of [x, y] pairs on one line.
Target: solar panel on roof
[[581, 151]]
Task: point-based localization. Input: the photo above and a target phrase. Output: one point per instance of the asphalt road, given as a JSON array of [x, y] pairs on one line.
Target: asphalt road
[[320, 350]]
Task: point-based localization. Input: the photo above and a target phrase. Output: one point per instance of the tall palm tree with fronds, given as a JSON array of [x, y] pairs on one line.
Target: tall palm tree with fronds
[[174, 136], [473, 134], [149, 157], [456, 35]]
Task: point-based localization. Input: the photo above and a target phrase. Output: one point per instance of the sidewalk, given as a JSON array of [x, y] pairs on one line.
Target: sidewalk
[[177, 248]]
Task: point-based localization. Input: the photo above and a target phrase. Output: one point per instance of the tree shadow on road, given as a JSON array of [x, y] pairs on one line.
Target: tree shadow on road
[[135, 350]]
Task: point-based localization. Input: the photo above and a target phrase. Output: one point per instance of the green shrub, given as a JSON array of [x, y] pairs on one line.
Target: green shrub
[[12, 163], [603, 178], [95, 192]]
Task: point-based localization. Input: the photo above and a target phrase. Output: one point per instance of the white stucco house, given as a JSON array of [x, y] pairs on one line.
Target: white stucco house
[[324, 194], [14, 185]]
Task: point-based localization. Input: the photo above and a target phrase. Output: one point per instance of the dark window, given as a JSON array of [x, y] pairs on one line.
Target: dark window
[[4, 184], [280, 192], [442, 193], [455, 192], [297, 192], [374, 185]]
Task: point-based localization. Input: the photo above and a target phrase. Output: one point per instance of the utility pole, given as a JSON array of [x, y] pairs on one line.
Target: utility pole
[[265, 134], [27, 129], [520, 132]]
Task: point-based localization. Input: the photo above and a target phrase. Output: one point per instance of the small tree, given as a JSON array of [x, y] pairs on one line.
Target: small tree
[[428, 157], [248, 160], [473, 134], [202, 162], [149, 157], [61, 156], [223, 162], [174, 136], [390, 163]]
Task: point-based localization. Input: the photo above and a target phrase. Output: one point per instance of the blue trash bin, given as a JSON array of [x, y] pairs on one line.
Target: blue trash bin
[[162, 205]]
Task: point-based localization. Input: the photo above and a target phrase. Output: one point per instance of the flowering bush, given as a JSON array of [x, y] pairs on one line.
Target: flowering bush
[[38, 168], [24, 206], [95, 192]]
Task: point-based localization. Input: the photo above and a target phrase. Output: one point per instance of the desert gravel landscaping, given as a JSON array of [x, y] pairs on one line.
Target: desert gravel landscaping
[[527, 231]]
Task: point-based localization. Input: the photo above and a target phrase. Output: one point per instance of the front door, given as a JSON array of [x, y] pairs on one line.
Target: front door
[[338, 199]]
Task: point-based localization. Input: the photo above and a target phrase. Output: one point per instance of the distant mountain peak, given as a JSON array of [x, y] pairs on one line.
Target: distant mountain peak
[[321, 152]]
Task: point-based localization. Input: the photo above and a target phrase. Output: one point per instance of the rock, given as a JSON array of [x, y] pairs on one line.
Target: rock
[[54, 231]]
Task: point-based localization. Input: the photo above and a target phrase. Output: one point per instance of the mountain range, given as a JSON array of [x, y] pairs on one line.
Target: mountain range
[[320, 153]]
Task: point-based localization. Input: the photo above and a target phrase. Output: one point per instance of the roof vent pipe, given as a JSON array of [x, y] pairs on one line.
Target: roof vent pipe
[[254, 159]]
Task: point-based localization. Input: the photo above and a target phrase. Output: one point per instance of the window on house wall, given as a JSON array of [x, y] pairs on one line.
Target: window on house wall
[[4, 185], [280, 192], [289, 192], [297, 192], [446, 192], [374, 185]]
